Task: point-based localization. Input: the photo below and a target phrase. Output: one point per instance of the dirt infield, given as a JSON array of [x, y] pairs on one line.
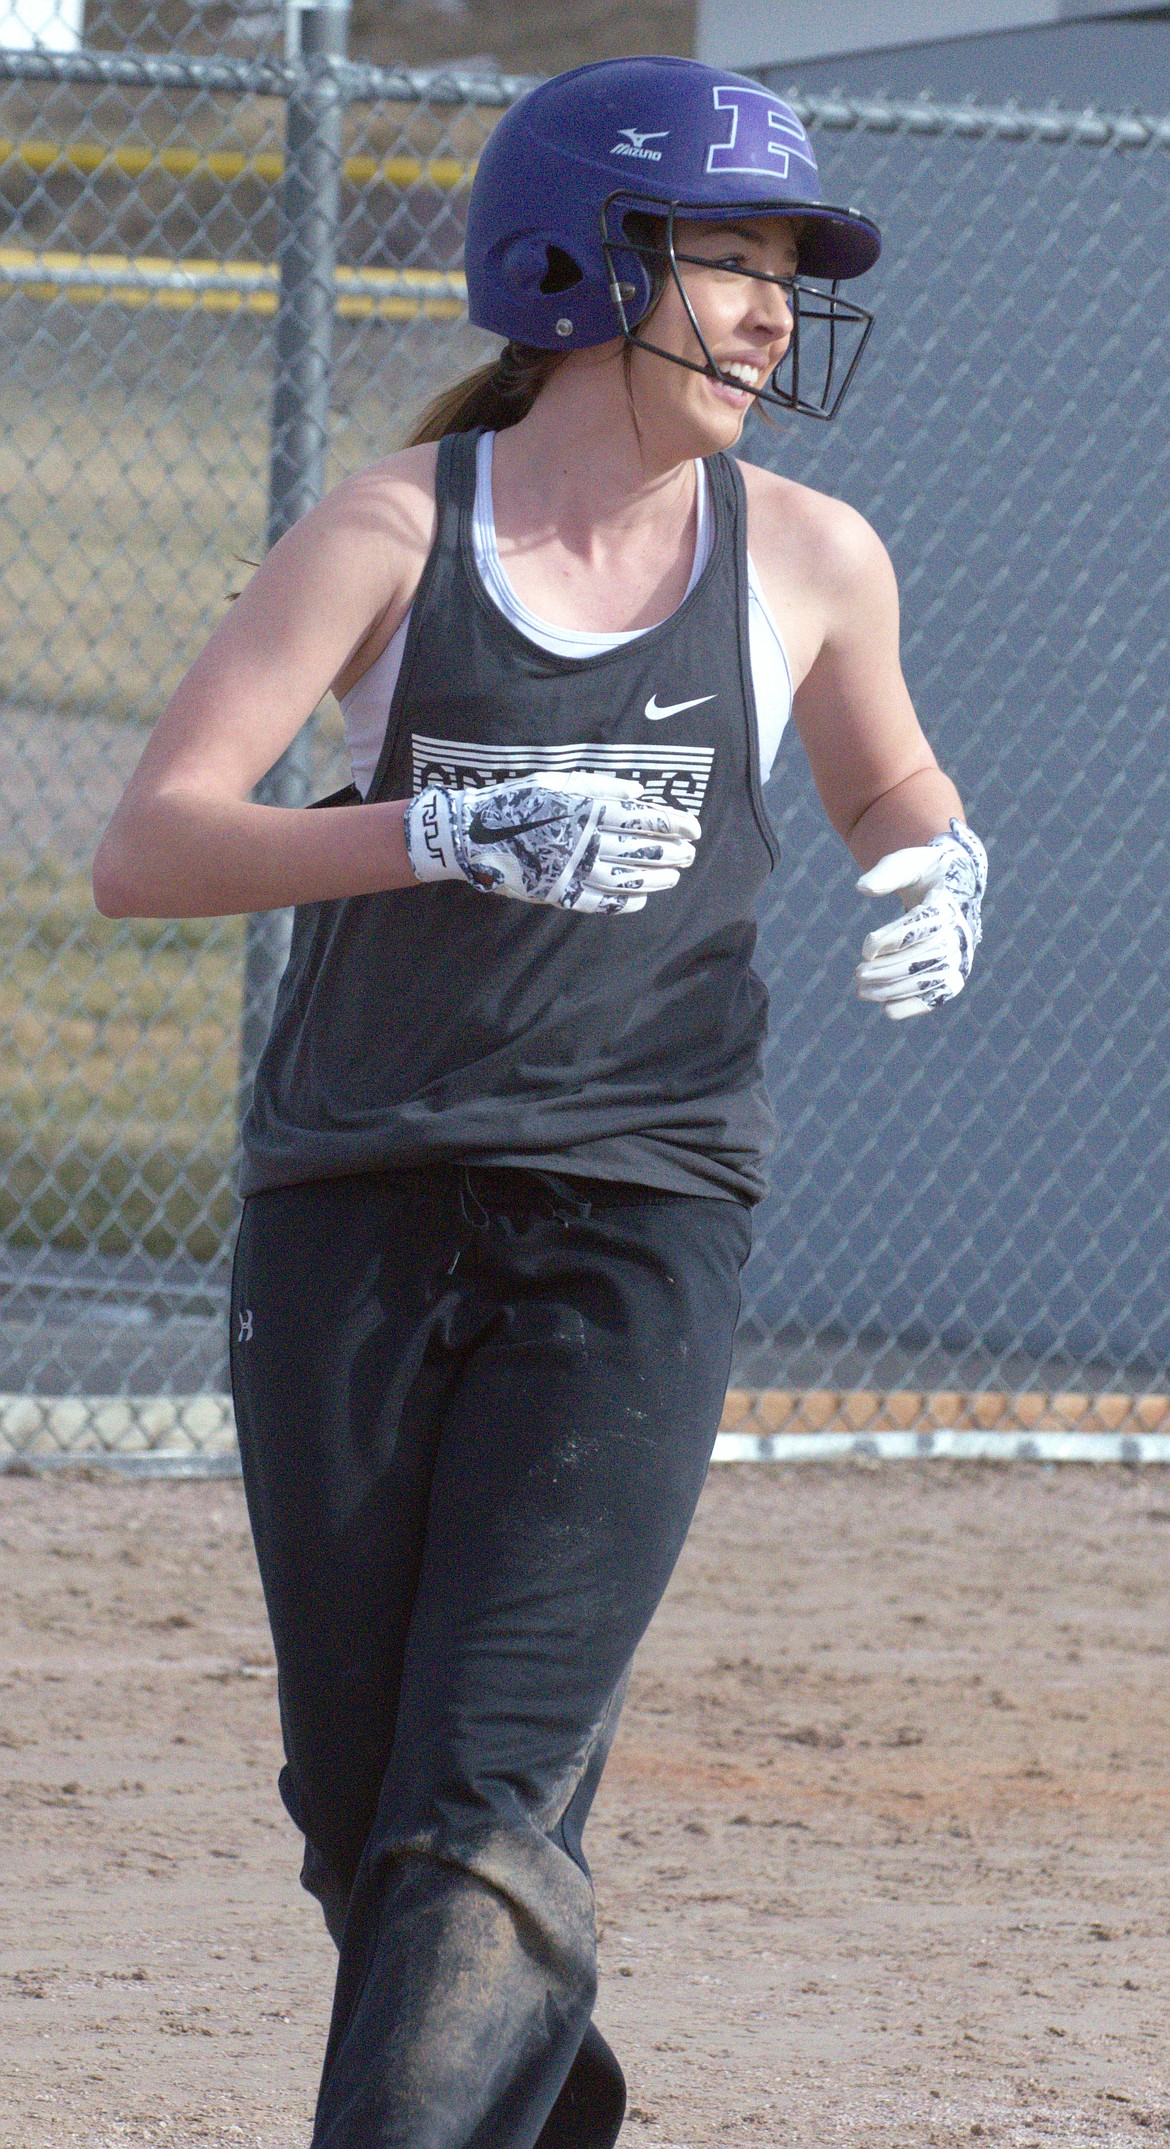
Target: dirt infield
[[880, 1854]]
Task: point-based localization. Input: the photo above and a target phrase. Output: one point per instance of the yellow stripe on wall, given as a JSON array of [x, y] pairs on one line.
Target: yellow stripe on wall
[[133, 159], [224, 286]]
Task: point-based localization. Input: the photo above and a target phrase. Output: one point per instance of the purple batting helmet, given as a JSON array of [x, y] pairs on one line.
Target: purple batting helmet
[[552, 259]]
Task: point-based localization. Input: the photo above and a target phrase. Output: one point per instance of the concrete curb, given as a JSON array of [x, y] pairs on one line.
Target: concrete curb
[[958, 1443], [42, 1429]]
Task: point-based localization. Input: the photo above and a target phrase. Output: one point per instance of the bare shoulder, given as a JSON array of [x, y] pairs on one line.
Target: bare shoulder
[[795, 531], [371, 535], [389, 501]]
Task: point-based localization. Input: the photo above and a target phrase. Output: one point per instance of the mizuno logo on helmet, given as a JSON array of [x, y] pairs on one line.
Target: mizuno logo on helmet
[[634, 144]]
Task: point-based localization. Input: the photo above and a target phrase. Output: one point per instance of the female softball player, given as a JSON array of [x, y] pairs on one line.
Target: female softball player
[[509, 1124]]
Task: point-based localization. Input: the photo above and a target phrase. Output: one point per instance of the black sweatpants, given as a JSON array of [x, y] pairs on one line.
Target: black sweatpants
[[475, 1410]]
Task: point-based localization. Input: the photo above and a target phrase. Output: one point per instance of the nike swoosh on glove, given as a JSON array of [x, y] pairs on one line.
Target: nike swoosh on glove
[[916, 962], [578, 841]]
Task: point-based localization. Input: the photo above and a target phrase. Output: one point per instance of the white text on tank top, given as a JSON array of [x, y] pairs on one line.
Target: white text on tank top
[[366, 707]]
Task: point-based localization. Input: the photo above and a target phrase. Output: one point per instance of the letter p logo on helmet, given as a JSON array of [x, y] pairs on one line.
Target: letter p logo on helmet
[[766, 135]]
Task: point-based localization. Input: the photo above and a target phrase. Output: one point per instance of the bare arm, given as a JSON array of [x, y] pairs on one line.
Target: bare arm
[[879, 782], [186, 839], [877, 777]]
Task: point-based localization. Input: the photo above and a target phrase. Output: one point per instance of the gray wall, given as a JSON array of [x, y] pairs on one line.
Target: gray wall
[[755, 33], [1116, 66], [984, 1193]]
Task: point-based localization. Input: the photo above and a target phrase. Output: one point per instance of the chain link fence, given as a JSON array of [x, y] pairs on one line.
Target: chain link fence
[[225, 282]]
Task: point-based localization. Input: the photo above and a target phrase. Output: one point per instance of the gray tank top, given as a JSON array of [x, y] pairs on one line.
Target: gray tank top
[[439, 1024]]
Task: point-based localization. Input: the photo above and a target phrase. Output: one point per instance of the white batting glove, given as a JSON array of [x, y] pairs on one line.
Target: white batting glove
[[576, 841], [916, 962]]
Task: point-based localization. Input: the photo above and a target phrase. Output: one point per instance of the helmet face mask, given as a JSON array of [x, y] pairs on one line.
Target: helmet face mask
[[829, 332]]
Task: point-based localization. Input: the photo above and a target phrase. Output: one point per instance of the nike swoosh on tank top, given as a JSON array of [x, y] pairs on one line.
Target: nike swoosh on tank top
[[439, 1024]]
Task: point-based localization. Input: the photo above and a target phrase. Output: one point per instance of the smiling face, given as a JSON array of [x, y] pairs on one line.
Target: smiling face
[[745, 322]]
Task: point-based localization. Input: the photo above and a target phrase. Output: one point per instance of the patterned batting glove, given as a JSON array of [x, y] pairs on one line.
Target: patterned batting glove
[[576, 841], [918, 961]]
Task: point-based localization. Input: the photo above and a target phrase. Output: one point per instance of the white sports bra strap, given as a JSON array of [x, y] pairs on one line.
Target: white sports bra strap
[[366, 707]]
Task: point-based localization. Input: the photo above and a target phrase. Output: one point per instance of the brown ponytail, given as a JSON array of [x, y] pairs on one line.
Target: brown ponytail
[[494, 396]]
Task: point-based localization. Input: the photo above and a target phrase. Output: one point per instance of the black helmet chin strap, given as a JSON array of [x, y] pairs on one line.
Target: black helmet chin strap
[[809, 302]]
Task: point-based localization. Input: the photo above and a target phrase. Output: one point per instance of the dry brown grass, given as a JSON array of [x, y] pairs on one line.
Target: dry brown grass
[[134, 475], [124, 515], [133, 470], [118, 1072]]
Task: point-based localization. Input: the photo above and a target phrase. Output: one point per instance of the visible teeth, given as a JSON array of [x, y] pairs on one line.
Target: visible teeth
[[749, 375]]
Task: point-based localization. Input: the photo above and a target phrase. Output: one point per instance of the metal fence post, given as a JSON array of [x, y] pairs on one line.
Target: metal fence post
[[310, 204]]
